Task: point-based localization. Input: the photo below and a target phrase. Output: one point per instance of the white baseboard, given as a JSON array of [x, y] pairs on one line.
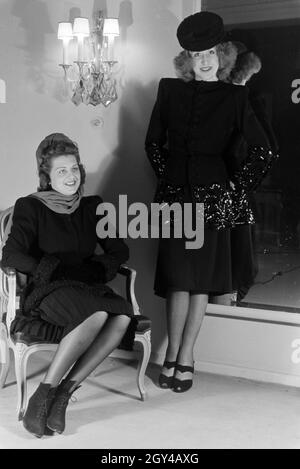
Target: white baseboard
[[253, 344], [224, 369], [248, 373]]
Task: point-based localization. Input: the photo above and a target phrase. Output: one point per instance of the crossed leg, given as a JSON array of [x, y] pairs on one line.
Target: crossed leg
[[86, 346]]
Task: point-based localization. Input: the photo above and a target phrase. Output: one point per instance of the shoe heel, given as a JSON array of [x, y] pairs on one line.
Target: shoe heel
[[166, 382], [184, 384]]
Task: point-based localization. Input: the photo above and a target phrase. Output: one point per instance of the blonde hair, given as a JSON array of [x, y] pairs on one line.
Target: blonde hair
[[246, 65], [227, 54]]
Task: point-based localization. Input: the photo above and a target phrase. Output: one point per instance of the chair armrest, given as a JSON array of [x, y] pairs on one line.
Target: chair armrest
[[126, 271], [9, 270], [138, 326], [5, 273], [130, 275], [9, 290], [143, 324]]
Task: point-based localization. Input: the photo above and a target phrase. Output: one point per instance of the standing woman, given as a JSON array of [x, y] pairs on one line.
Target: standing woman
[[193, 123]]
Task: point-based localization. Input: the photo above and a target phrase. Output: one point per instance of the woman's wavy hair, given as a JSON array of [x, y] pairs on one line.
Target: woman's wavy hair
[[57, 148], [227, 54], [247, 64]]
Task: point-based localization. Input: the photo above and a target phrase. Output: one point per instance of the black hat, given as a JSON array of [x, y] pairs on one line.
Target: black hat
[[200, 31], [47, 142]]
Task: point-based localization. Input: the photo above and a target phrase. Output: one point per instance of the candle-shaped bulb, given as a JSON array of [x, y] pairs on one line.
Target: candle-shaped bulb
[[65, 34], [81, 29], [110, 30]]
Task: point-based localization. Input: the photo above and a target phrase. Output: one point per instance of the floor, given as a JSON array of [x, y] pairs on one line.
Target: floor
[[218, 412]]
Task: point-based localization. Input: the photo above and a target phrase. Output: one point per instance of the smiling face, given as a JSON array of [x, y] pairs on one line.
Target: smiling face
[[65, 174], [205, 64]]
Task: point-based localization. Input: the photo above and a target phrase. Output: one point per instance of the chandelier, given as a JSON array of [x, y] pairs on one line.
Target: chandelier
[[91, 77]]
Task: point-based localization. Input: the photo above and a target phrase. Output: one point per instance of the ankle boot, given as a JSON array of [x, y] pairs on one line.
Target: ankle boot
[[39, 404], [56, 420]]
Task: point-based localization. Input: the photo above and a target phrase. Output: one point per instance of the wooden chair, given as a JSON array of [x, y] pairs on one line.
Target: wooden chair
[[139, 331]]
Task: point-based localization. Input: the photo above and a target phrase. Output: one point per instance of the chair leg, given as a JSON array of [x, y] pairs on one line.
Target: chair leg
[[21, 358], [145, 340], [4, 355]]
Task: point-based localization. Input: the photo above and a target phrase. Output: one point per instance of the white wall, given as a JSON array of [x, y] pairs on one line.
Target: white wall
[[29, 55], [113, 154]]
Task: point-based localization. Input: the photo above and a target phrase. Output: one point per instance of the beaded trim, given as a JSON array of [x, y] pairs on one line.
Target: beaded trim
[[223, 208], [158, 158], [258, 162]]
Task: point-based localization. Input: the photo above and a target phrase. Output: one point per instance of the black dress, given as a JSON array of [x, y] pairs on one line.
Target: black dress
[[192, 128], [66, 278]]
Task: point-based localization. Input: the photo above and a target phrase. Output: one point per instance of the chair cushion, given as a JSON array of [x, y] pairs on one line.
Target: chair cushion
[[138, 324], [36, 330], [143, 323], [30, 339], [47, 333]]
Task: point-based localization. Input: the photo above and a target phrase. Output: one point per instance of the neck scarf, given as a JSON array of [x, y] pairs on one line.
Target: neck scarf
[[59, 203]]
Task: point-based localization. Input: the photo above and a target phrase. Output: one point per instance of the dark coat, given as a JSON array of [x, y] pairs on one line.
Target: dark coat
[[71, 239], [192, 128], [58, 250]]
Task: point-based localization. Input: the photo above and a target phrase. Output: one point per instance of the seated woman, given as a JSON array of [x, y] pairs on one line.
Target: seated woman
[[53, 240]]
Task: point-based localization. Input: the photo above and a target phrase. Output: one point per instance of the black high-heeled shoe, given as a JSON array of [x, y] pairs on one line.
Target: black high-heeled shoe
[[182, 385], [164, 381]]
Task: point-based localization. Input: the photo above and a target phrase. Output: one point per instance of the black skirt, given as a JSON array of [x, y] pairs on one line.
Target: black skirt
[[64, 309], [224, 264], [204, 270]]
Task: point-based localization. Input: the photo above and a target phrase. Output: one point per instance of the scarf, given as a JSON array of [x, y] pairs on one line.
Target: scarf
[[58, 202]]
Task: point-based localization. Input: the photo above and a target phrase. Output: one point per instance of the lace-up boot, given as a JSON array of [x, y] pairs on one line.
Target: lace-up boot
[[56, 420], [39, 404]]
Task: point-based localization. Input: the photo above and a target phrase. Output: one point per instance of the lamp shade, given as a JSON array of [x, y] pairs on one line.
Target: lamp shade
[[111, 27], [81, 27], [64, 31]]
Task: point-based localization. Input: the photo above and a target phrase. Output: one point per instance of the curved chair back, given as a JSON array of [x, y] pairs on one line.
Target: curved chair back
[[12, 281], [5, 226]]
